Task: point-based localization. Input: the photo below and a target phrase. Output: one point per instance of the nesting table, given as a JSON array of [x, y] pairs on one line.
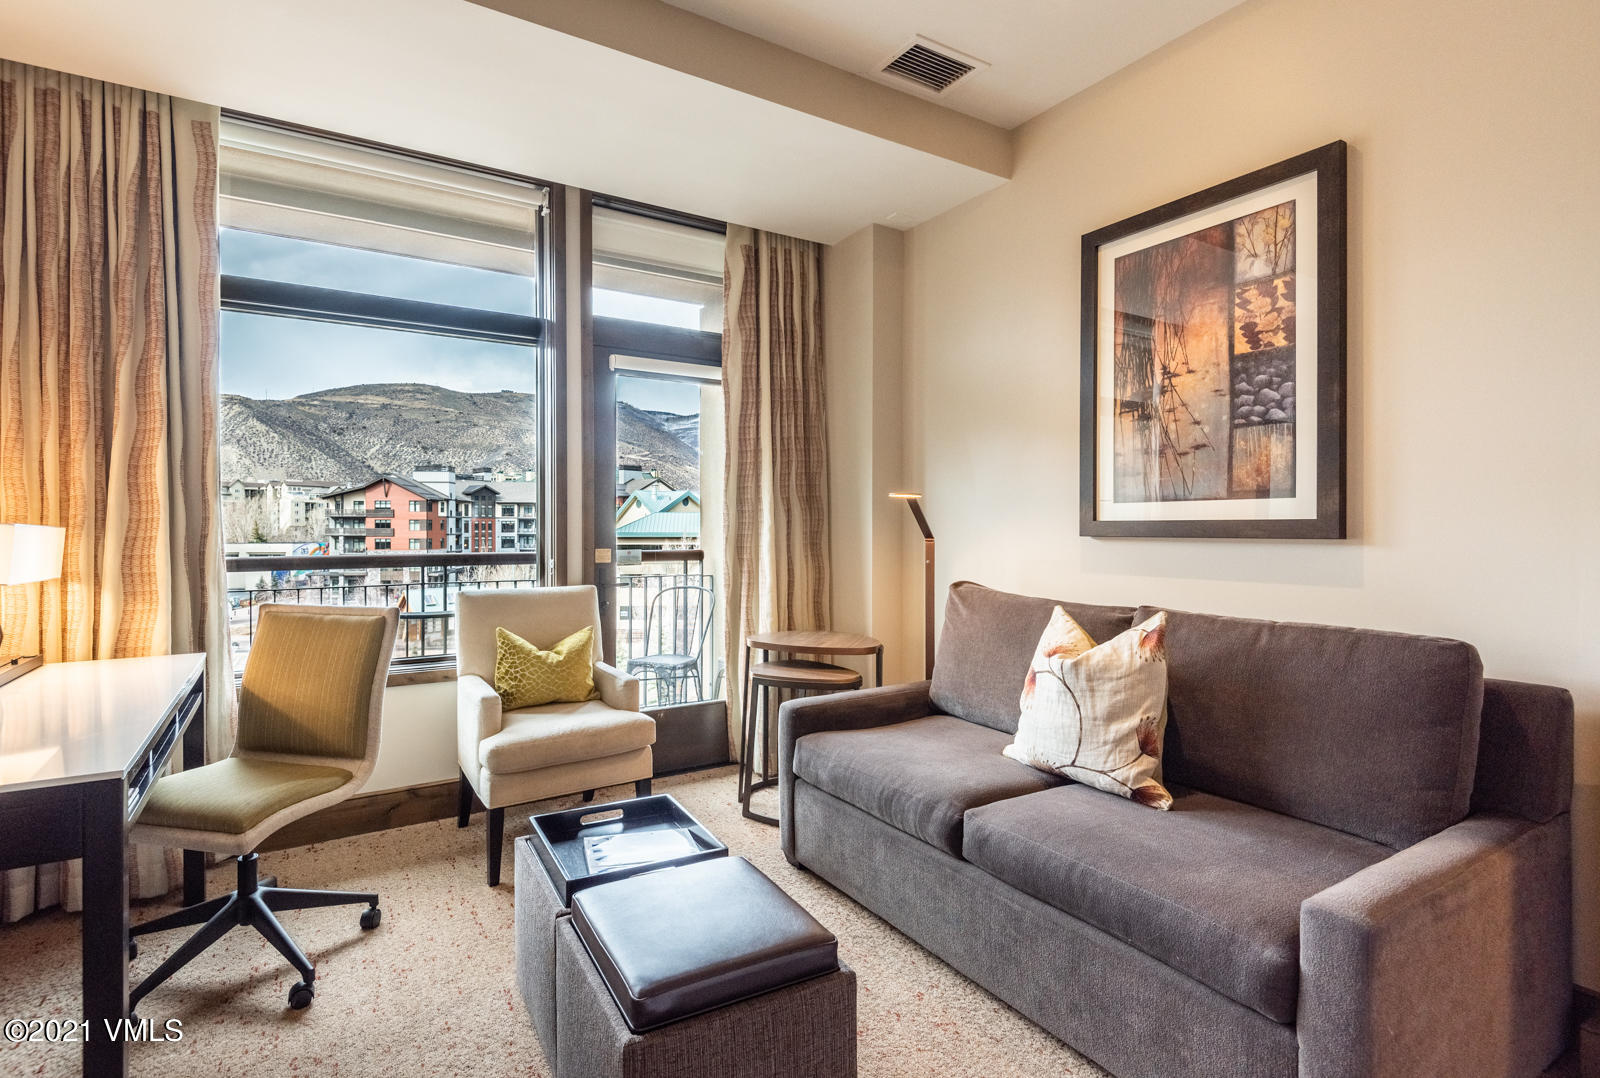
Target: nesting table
[[808, 675]]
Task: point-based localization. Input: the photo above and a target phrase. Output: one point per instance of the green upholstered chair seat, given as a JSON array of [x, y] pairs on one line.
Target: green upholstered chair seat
[[231, 796]]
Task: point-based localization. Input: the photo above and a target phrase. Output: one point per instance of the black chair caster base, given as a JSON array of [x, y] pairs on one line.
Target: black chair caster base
[[371, 918], [300, 996]]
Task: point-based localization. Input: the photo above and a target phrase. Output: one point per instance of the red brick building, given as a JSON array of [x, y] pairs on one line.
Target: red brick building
[[391, 513]]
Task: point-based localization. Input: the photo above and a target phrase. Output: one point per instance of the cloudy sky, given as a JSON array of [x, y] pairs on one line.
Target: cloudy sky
[[269, 356]]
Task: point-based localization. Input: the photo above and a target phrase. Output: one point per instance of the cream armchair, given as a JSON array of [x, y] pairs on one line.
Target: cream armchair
[[512, 757]]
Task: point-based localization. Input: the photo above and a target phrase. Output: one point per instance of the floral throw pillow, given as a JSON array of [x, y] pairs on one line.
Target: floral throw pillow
[[1062, 637], [1098, 714]]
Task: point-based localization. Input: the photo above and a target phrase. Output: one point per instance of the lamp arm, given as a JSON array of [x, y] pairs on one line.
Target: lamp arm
[[915, 505]]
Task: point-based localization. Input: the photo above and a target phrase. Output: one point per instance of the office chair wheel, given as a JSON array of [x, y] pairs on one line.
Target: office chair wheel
[[371, 918], [300, 996], [133, 950]]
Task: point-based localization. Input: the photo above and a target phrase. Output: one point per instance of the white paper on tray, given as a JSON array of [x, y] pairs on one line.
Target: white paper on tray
[[610, 853]]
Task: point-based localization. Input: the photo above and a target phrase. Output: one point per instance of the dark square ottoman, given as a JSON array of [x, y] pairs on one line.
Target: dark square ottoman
[[703, 971], [538, 908], [554, 852]]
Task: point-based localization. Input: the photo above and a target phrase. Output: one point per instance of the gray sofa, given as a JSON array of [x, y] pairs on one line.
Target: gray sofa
[[1365, 872]]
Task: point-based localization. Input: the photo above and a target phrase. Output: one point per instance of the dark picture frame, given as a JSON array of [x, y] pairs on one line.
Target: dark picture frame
[[1194, 369]]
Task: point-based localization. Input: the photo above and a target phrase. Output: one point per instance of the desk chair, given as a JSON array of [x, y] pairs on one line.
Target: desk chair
[[512, 757], [309, 710]]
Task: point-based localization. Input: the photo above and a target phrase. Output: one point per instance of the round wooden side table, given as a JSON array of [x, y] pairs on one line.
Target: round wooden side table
[[762, 678]]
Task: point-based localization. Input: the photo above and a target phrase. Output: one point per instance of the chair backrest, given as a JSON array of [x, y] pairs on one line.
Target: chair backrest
[[541, 616], [683, 629], [313, 685]]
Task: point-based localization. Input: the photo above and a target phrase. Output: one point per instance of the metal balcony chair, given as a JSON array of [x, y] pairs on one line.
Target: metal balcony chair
[[674, 645]]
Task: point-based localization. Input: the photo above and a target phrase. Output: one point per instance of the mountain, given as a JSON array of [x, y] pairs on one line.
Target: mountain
[[685, 427], [661, 442], [346, 435]]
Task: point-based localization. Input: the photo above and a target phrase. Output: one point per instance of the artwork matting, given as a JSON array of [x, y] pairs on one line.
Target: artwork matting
[[1213, 361]]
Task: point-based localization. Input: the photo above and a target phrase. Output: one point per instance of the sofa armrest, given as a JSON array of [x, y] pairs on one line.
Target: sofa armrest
[[478, 715], [858, 710], [1451, 957], [618, 690]]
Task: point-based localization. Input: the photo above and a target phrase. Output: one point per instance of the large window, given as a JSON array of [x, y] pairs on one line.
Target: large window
[[384, 368]]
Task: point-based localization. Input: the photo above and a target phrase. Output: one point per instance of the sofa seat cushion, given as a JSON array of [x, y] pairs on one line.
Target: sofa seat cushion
[[1212, 888], [537, 737], [919, 776]]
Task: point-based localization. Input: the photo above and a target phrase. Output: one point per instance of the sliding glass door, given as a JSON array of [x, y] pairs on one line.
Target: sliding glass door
[[658, 434]]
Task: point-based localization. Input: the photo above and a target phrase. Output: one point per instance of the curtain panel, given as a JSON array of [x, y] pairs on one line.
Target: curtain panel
[[775, 539], [109, 391]]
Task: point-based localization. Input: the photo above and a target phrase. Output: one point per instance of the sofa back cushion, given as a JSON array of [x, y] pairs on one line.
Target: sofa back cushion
[[1524, 751], [1373, 733], [987, 643]]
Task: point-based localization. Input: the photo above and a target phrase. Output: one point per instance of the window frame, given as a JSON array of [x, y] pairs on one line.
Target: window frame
[[545, 333]]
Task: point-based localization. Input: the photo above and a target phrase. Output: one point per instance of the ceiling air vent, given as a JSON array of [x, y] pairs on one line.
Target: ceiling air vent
[[931, 66]]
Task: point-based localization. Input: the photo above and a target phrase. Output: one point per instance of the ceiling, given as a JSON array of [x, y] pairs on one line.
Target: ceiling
[[753, 113], [1040, 52], [464, 81]]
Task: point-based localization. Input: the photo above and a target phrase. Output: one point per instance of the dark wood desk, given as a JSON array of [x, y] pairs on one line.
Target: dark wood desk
[[80, 746]]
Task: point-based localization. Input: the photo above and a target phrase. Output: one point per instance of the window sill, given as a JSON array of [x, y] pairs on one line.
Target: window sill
[[409, 674], [422, 673]]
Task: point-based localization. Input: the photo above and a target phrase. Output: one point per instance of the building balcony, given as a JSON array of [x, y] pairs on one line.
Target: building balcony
[[380, 512], [424, 584], [337, 530]]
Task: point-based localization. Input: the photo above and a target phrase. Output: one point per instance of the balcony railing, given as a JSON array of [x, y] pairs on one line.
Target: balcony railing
[[666, 627], [423, 585], [666, 606]]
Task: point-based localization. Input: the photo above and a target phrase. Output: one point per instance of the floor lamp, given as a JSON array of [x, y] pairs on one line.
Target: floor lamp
[[914, 503]]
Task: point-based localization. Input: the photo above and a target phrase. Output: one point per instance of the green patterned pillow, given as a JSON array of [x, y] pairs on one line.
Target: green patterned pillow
[[526, 676]]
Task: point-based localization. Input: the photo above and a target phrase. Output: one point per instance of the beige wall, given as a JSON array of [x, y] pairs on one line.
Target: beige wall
[[1474, 395], [863, 290]]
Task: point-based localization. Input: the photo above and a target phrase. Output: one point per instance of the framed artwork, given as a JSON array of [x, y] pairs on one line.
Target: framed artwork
[[1213, 339]]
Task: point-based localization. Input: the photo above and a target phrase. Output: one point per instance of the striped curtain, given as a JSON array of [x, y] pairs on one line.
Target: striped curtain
[[775, 540], [109, 391]]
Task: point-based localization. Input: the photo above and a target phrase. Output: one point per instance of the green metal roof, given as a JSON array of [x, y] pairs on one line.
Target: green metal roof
[[683, 525]]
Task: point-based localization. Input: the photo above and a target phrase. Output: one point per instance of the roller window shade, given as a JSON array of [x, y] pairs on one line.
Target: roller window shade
[[300, 186]]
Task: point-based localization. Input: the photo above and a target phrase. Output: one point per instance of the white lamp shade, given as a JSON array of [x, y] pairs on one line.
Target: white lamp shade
[[30, 552]]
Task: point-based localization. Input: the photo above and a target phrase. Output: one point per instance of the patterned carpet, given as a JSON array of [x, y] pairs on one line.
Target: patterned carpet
[[431, 992]]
